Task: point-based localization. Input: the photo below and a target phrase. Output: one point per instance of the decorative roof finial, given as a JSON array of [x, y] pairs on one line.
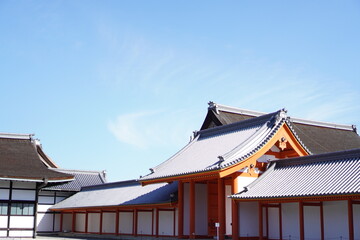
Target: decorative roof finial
[[213, 106]]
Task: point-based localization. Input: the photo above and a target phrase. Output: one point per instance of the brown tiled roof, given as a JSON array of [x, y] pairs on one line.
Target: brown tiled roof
[[317, 137], [19, 160]]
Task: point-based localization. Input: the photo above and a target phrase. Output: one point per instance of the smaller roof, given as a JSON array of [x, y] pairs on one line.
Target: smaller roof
[[119, 194], [220, 147], [20, 160], [327, 174], [82, 179]]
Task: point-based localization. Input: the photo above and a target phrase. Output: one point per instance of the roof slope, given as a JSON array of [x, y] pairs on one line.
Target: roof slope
[[19, 160], [317, 175], [82, 179], [318, 137], [119, 194], [220, 147]]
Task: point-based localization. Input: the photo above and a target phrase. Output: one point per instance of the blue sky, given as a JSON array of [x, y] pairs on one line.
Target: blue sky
[[121, 85]]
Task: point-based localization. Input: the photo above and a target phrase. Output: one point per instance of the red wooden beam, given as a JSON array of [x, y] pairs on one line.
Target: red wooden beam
[[180, 209], [350, 220]]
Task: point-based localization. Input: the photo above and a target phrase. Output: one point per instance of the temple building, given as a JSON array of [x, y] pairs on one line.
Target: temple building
[[243, 175]]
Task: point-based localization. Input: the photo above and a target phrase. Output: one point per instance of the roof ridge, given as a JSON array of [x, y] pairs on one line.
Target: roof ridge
[[219, 107], [333, 156], [232, 126], [17, 136], [79, 171]]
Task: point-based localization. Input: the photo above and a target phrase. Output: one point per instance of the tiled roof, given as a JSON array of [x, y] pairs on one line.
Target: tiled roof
[[120, 194], [318, 137], [19, 160], [220, 147], [316, 175], [82, 179]]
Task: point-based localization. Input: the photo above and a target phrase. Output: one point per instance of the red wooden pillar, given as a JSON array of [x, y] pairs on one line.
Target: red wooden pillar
[[101, 222], [221, 208], [135, 222], [73, 221], [322, 221], [157, 222], [180, 209], [234, 212], [350, 220], [117, 221], [267, 221], [301, 220], [260, 209], [61, 221], [86, 221], [192, 209]]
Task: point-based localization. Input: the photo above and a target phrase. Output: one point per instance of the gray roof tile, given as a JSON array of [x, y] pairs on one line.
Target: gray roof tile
[[119, 194], [317, 175]]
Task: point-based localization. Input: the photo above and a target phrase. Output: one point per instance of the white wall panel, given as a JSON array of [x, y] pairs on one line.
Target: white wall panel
[[3, 233], [94, 222], [144, 223], [273, 223], [43, 208], [126, 222], [67, 222], [290, 220], [248, 219], [312, 225], [29, 185], [109, 222], [5, 184], [23, 195], [4, 194], [201, 227], [44, 222], [166, 223], [3, 221], [24, 233], [335, 219], [228, 210], [356, 217], [80, 222], [21, 221], [57, 222]]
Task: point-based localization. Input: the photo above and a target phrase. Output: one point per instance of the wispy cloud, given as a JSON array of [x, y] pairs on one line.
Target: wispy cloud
[[145, 129]]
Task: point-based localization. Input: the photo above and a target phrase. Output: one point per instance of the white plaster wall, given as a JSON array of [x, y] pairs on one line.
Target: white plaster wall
[[290, 220], [5, 184], [144, 223], [3, 221], [23, 195], [30, 185], [3, 233], [109, 222], [46, 200], [201, 227], [44, 222], [80, 222], [24, 233], [273, 219], [356, 217], [228, 209], [67, 222], [312, 225], [166, 223], [94, 222], [4, 194], [243, 182], [186, 215], [335, 219], [248, 219], [126, 222], [21, 222], [43, 208], [57, 222]]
